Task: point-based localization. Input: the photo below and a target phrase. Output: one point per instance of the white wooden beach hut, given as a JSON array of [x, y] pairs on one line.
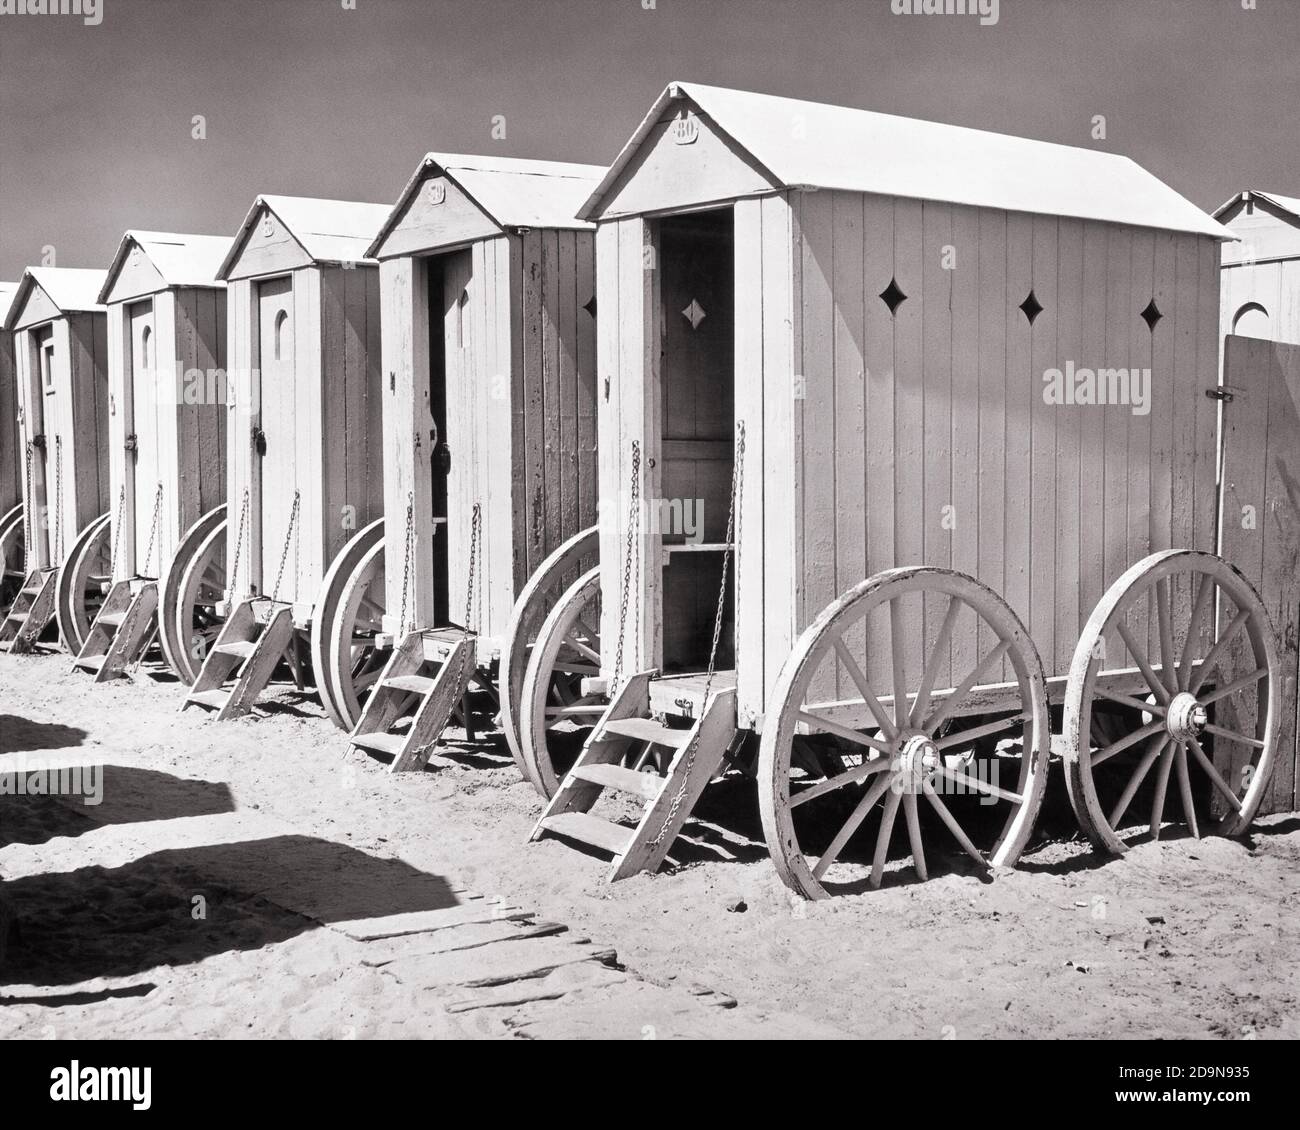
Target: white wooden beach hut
[[1261, 271], [305, 469], [11, 475], [61, 361], [167, 427]]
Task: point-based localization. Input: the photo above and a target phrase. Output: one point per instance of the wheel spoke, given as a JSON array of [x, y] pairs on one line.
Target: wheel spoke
[[1162, 784], [864, 689], [882, 837], [582, 649], [1213, 774], [848, 777], [833, 849], [1154, 681], [577, 710], [565, 667], [1163, 613], [1220, 646], [842, 731], [914, 835], [950, 703], [1154, 747], [1234, 687], [922, 703], [1124, 742], [945, 814], [978, 732], [1203, 592], [976, 785], [1232, 736], [1185, 790], [900, 675], [1130, 701], [591, 633]]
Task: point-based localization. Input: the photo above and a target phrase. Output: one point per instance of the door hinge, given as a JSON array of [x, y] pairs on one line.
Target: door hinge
[[1218, 394], [444, 459], [131, 443], [38, 442], [258, 440]]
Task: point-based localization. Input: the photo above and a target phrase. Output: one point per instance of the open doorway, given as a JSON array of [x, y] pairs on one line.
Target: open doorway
[[448, 277], [697, 410]]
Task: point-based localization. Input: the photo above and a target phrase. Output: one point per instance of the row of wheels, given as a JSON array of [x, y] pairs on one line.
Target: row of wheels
[[914, 712]]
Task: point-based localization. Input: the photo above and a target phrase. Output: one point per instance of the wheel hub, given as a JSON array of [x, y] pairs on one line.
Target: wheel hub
[[918, 760], [1186, 718]]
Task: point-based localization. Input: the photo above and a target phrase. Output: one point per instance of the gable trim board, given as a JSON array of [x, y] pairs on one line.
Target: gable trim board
[[304, 231]]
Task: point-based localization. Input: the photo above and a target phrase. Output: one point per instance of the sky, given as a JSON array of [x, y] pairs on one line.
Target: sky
[[312, 98]]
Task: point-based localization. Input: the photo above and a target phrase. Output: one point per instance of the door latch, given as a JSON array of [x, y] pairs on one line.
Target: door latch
[[131, 443], [38, 442], [444, 458], [1218, 394], [258, 440]]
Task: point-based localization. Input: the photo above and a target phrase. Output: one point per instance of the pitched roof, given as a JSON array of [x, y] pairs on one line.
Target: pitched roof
[[1284, 203], [512, 192], [837, 147], [181, 260], [71, 289], [330, 231]]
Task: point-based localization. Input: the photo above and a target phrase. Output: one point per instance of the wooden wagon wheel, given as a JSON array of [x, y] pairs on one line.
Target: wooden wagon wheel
[[903, 754], [83, 576], [1184, 686], [348, 616], [540, 594], [12, 556], [554, 716], [191, 587]]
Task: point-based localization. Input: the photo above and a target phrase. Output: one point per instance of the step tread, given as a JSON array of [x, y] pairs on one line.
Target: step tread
[[593, 830], [415, 684], [646, 730], [110, 619], [380, 742], [215, 698], [242, 649], [90, 662], [647, 786]]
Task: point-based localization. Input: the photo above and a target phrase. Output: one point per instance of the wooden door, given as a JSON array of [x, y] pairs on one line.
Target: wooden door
[[43, 458], [274, 462], [142, 470], [456, 467], [1260, 532]]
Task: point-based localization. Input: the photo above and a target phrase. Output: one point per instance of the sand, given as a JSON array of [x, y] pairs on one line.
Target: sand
[[209, 895]]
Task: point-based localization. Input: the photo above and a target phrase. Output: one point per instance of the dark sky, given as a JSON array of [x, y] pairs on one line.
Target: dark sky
[[305, 97]]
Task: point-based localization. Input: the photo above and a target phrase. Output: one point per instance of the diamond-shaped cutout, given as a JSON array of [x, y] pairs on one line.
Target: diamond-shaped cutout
[[1151, 315], [893, 296], [694, 314], [590, 306], [1031, 307]]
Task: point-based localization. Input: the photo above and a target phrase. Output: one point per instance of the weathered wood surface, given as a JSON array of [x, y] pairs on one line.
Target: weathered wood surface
[[11, 445], [1261, 512]]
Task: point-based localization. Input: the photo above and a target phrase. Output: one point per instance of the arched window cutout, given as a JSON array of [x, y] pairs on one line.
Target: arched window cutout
[[1251, 321], [146, 342], [281, 335]]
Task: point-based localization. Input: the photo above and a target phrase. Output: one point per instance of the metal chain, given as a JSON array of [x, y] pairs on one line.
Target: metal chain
[[408, 553], [58, 500], [239, 542], [153, 531], [288, 540], [475, 521], [117, 530], [29, 530], [737, 471], [633, 522]]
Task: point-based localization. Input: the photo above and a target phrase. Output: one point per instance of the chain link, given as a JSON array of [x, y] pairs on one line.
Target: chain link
[[29, 530], [475, 522], [629, 562], [58, 500], [239, 543], [153, 532], [737, 472], [407, 554], [117, 530], [288, 541]]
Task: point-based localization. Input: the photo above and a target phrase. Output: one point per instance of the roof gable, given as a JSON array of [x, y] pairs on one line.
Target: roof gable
[[7, 292], [454, 198], [46, 293], [1268, 226], [282, 233], [835, 147], [148, 262]]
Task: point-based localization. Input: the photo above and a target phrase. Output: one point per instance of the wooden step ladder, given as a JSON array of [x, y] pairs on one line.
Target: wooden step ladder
[[31, 610], [697, 755], [122, 630], [425, 678], [249, 647]]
